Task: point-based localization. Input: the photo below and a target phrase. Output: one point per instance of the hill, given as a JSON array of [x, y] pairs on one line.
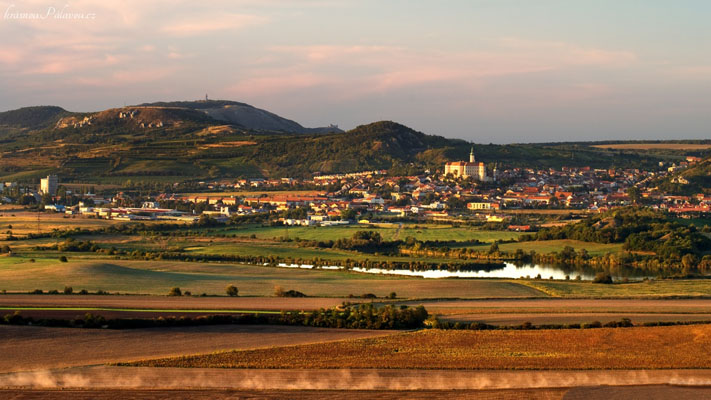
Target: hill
[[689, 181], [244, 115], [31, 117], [181, 141]]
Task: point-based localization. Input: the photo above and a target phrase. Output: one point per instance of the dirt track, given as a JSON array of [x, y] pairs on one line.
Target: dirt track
[[25, 348]]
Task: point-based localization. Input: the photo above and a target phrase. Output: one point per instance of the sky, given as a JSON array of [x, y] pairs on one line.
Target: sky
[[488, 71]]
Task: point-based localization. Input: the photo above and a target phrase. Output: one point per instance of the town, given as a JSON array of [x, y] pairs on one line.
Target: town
[[465, 192]]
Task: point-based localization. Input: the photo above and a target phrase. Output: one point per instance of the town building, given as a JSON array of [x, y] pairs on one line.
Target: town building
[[49, 185], [463, 169]]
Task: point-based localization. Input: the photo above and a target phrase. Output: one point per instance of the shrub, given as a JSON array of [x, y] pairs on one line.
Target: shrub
[[594, 324], [37, 291], [68, 290], [175, 292], [280, 292], [232, 291], [63, 259], [603, 277], [392, 295], [83, 292]]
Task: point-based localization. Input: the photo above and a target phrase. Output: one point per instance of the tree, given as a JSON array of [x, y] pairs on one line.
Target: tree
[[175, 292], [603, 277], [63, 259], [68, 290], [348, 214], [232, 291], [634, 193], [494, 248]]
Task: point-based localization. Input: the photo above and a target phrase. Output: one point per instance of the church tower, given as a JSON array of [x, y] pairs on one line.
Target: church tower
[[471, 156]]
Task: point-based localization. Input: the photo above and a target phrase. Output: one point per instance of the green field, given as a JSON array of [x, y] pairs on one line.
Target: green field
[[422, 232], [157, 277], [549, 246], [91, 272]]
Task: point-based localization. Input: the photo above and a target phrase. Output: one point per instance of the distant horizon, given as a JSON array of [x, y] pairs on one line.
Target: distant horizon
[[505, 71]]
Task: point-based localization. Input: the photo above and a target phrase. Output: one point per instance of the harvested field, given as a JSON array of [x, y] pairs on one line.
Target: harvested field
[[654, 146], [568, 311], [238, 143], [603, 348], [170, 303], [657, 392], [206, 394], [24, 222], [549, 305], [570, 318], [31, 348]]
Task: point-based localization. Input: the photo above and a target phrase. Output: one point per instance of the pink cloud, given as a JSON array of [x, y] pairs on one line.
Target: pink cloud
[[208, 24]]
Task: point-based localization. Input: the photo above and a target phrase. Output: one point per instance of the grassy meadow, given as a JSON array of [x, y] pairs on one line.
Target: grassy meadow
[[18, 274]]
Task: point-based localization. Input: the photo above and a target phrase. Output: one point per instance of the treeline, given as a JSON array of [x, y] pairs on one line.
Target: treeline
[[158, 229], [358, 316], [271, 260], [655, 240]]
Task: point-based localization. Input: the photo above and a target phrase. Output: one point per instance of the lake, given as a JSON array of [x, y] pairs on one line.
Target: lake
[[509, 271]]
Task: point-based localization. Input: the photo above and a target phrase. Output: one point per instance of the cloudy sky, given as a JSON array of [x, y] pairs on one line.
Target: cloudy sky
[[489, 71]]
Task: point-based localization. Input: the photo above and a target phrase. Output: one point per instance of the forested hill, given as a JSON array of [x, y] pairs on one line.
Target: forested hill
[[32, 117], [692, 180], [380, 145], [180, 141]]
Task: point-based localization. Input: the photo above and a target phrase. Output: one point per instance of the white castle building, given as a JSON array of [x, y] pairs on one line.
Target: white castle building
[[476, 170]]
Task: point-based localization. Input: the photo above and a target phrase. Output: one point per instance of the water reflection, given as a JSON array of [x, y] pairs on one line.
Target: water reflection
[[509, 270]]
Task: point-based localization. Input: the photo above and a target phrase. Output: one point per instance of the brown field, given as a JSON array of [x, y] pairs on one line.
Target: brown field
[[493, 311], [587, 393], [604, 348], [24, 222], [564, 306], [654, 146], [209, 394], [505, 319], [238, 143], [170, 303], [216, 130], [30, 348]]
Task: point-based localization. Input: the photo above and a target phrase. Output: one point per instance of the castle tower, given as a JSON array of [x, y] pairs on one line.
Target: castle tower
[[471, 156]]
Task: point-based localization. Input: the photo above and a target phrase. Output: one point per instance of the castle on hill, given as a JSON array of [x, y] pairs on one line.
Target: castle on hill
[[476, 170]]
